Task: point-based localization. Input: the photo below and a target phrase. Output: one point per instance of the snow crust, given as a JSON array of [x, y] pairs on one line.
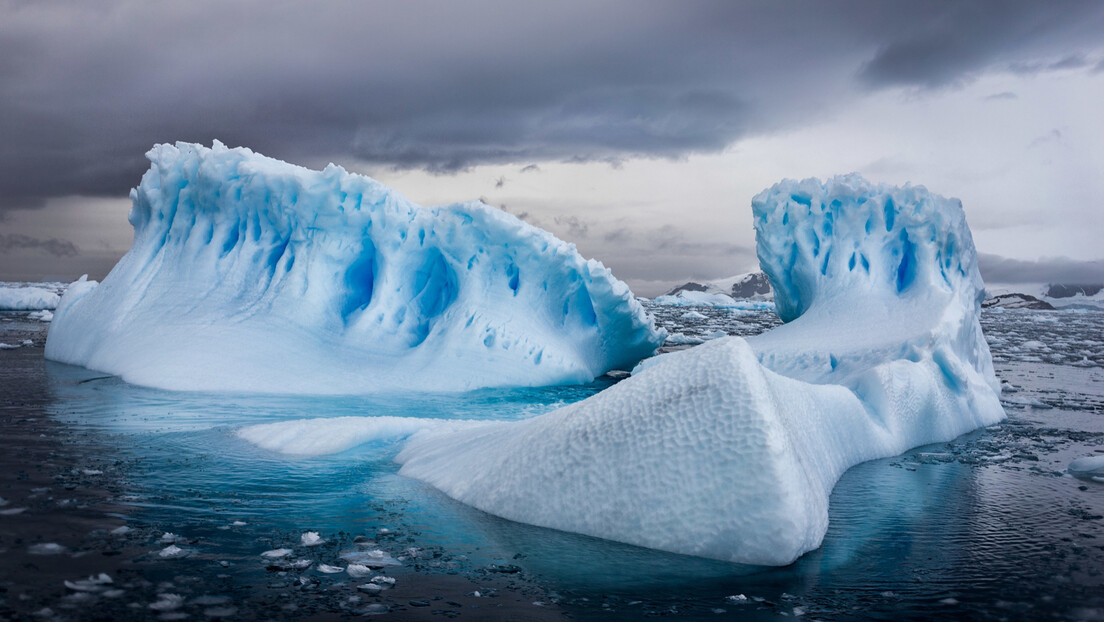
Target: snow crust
[[730, 450], [18, 297], [251, 274]]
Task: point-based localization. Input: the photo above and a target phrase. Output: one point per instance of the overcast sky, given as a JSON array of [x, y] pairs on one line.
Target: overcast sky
[[638, 130]]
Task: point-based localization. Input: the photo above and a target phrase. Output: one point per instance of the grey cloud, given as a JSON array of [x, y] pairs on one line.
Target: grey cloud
[[10, 242], [997, 269], [1052, 136], [1005, 95], [500, 182], [530, 168], [89, 87], [573, 225], [1073, 61], [951, 42]]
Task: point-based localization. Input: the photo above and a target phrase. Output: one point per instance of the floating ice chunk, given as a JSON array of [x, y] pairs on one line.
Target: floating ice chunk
[[91, 471], [220, 612], [680, 339], [1091, 468], [692, 316], [173, 552], [91, 584], [12, 511], [9, 346], [372, 558], [167, 602], [737, 598], [382, 580], [46, 548], [42, 316], [315, 437], [371, 292], [276, 553], [311, 538], [120, 531], [731, 449], [3, 502], [328, 569], [238, 523], [358, 571], [21, 298], [168, 536]]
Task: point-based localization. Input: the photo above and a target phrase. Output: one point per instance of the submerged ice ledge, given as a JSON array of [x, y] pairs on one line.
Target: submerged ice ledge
[[730, 450], [251, 274]]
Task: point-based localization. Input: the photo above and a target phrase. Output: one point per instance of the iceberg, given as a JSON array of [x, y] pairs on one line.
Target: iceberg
[[730, 450], [19, 297], [249, 274]]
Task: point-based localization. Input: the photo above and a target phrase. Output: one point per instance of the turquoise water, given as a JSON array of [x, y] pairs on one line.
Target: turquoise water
[[988, 526]]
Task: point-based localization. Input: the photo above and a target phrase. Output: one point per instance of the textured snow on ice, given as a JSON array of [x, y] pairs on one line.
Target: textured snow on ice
[[366, 291], [730, 449]]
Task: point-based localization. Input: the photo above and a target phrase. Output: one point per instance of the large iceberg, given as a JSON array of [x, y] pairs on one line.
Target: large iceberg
[[251, 274], [730, 450]]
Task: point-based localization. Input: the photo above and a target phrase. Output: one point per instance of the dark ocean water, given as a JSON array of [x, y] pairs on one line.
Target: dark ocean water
[[987, 527]]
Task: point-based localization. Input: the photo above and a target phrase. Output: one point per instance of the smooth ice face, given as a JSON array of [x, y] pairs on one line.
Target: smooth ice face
[[730, 449], [251, 274]]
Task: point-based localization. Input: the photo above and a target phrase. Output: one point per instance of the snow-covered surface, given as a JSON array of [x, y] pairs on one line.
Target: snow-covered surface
[[28, 297], [251, 274], [730, 449]]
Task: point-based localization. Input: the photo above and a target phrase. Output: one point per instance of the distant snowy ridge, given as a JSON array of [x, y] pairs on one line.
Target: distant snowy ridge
[[1060, 296], [731, 449], [1016, 301], [251, 274], [747, 286]]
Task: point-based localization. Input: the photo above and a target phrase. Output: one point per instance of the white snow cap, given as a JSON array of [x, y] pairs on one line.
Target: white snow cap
[[251, 274], [730, 450]]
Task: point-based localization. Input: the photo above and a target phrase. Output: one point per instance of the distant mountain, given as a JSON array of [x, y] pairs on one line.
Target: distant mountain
[[748, 286], [1058, 295], [1063, 290], [1016, 301]]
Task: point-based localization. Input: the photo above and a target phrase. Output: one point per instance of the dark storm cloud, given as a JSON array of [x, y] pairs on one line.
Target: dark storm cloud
[[88, 87], [947, 43], [997, 269], [53, 246]]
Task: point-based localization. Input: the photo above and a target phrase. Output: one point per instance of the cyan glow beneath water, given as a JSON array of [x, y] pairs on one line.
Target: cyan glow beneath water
[[989, 520]]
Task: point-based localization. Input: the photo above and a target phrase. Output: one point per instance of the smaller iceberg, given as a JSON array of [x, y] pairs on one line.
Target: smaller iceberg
[[21, 297], [730, 449], [251, 274]]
